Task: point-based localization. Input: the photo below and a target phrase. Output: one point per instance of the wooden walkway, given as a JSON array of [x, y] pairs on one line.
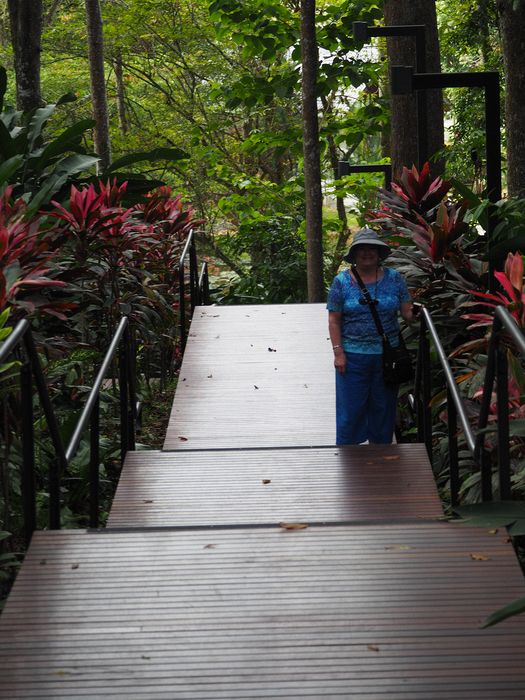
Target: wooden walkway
[[255, 376], [199, 588]]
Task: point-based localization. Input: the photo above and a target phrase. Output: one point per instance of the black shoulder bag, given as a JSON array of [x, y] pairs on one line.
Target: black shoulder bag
[[397, 362]]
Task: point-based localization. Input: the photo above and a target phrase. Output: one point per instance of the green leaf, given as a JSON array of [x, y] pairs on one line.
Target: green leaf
[[514, 608], [64, 142], [75, 164], [67, 97], [157, 154], [495, 514], [7, 145], [9, 167], [37, 123]]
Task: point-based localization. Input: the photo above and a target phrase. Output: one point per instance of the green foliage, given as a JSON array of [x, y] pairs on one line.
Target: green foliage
[[515, 608], [510, 514], [34, 168], [273, 254]]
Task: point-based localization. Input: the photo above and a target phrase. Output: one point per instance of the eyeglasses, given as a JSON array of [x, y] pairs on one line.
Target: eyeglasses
[[364, 302]]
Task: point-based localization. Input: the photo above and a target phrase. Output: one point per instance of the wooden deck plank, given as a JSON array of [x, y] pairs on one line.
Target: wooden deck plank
[[376, 612], [255, 376], [374, 482]]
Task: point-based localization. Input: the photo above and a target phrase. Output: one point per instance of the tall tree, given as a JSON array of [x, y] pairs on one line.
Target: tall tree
[[311, 153], [25, 17], [512, 22], [401, 51], [98, 83]]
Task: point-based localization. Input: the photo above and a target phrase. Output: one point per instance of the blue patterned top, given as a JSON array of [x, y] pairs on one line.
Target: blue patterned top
[[359, 332]]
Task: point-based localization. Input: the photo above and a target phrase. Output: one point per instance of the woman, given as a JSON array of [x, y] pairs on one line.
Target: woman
[[365, 405]]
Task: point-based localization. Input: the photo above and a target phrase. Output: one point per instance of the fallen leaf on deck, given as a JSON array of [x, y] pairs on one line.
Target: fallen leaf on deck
[[210, 376], [210, 546], [399, 547], [145, 657], [147, 501], [293, 526], [479, 557], [255, 386], [390, 457], [184, 439], [493, 532], [306, 386], [267, 481], [372, 647], [75, 566], [272, 350], [369, 462]]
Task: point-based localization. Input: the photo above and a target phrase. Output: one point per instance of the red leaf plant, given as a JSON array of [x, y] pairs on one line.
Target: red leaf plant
[[25, 262], [513, 297], [417, 209], [414, 197]]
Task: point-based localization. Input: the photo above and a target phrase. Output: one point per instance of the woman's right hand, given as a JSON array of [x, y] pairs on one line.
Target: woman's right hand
[[340, 361]]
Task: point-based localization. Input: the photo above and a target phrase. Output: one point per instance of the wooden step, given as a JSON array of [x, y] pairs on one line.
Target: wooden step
[[351, 483], [384, 612]]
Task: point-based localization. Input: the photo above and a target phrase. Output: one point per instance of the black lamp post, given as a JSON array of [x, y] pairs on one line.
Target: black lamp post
[[405, 80], [362, 32], [345, 169]]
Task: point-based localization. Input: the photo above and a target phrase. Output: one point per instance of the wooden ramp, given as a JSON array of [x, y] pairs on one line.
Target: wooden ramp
[[255, 376], [327, 484], [388, 612], [194, 591]]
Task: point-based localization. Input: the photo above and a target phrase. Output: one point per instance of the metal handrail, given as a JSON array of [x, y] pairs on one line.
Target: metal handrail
[[199, 285], [182, 286], [475, 439], [59, 465], [95, 390]]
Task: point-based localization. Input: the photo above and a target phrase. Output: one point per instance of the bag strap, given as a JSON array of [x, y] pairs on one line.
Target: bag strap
[[373, 310]]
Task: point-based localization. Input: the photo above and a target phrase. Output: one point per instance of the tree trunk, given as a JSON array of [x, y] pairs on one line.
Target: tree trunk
[[512, 22], [26, 29], [311, 151], [121, 93], [401, 52], [98, 83]]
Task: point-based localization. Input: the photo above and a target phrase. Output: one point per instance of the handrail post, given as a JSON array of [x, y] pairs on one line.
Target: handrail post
[[502, 391], [28, 452], [486, 475], [54, 494], [123, 392], [129, 337], [426, 389], [453, 449], [94, 464], [182, 292], [58, 464], [194, 281]]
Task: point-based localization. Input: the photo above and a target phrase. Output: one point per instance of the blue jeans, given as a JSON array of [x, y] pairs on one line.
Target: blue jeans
[[365, 405]]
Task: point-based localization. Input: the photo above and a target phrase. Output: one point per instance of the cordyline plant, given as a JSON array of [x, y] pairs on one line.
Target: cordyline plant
[[123, 260], [417, 209], [171, 224], [26, 262], [513, 297]]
